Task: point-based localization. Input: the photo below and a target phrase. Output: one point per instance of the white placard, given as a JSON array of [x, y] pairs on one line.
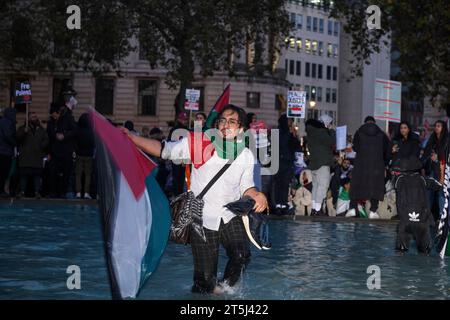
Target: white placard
[[296, 104], [192, 100], [341, 138]]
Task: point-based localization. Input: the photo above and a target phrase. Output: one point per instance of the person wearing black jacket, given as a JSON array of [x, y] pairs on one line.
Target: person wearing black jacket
[[85, 146], [64, 147], [434, 159], [405, 144], [289, 144], [7, 145], [412, 207], [373, 152]]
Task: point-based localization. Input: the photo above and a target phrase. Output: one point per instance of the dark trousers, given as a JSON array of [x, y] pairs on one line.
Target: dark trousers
[[178, 173], [83, 165], [418, 231], [60, 171], [282, 181], [35, 174], [5, 167], [233, 238]]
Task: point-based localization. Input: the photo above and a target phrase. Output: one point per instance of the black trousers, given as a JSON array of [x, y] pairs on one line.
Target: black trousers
[[61, 167], [418, 231], [5, 167], [233, 238], [178, 175], [282, 181]]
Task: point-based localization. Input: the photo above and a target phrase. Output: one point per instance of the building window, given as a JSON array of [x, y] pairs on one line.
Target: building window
[[320, 48], [307, 92], [335, 73], [307, 66], [315, 24], [319, 94], [313, 93], [291, 67], [299, 21], [59, 86], [313, 70], [286, 65], [319, 71], [335, 50], [104, 95], [299, 44], [292, 19], [321, 25], [336, 28], [333, 96], [308, 23], [147, 97], [313, 114], [298, 68], [328, 72], [253, 100], [308, 46], [330, 27], [329, 50], [314, 47], [328, 95], [292, 44]]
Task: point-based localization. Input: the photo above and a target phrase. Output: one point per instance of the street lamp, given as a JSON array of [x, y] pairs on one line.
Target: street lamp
[[312, 104]]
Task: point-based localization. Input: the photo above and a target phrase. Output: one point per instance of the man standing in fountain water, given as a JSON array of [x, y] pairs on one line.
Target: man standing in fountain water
[[220, 225]]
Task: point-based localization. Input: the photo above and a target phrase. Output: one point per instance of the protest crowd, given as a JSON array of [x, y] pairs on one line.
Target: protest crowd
[[313, 178]]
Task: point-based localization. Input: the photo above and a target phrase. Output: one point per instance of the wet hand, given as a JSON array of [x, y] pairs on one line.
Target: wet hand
[[260, 202]]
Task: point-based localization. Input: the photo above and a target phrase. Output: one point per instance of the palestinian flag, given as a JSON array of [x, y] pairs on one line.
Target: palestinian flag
[[223, 100], [443, 235], [135, 211]]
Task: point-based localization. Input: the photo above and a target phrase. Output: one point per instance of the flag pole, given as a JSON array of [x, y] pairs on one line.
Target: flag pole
[[26, 116]]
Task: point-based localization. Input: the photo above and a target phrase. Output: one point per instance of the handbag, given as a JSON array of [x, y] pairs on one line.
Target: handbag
[[187, 213]]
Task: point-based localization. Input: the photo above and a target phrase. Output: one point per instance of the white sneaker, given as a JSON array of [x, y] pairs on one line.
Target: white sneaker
[[87, 196], [350, 213], [78, 196], [373, 215]]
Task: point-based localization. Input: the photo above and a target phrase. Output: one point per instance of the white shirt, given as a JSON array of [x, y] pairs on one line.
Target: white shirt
[[230, 187]]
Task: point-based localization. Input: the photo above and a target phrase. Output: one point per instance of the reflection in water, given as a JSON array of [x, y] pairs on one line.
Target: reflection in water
[[309, 260]]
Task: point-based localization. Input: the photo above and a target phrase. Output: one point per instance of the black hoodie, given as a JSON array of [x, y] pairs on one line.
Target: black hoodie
[[289, 144], [320, 144], [372, 148], [85, 143], [8, 132]]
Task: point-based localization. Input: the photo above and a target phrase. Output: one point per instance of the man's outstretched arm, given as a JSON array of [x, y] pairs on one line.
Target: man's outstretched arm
[[150, 146]]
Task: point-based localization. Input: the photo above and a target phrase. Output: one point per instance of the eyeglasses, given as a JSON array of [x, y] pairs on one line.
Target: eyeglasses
[[231, 122]]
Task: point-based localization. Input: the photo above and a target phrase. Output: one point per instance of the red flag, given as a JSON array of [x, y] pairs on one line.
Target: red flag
[[223, 100]]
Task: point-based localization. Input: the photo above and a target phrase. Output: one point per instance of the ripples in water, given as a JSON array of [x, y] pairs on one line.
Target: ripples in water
[[309, 260]]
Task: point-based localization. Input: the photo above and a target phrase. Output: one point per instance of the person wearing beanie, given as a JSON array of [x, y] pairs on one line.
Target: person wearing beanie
[[321, 140]]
